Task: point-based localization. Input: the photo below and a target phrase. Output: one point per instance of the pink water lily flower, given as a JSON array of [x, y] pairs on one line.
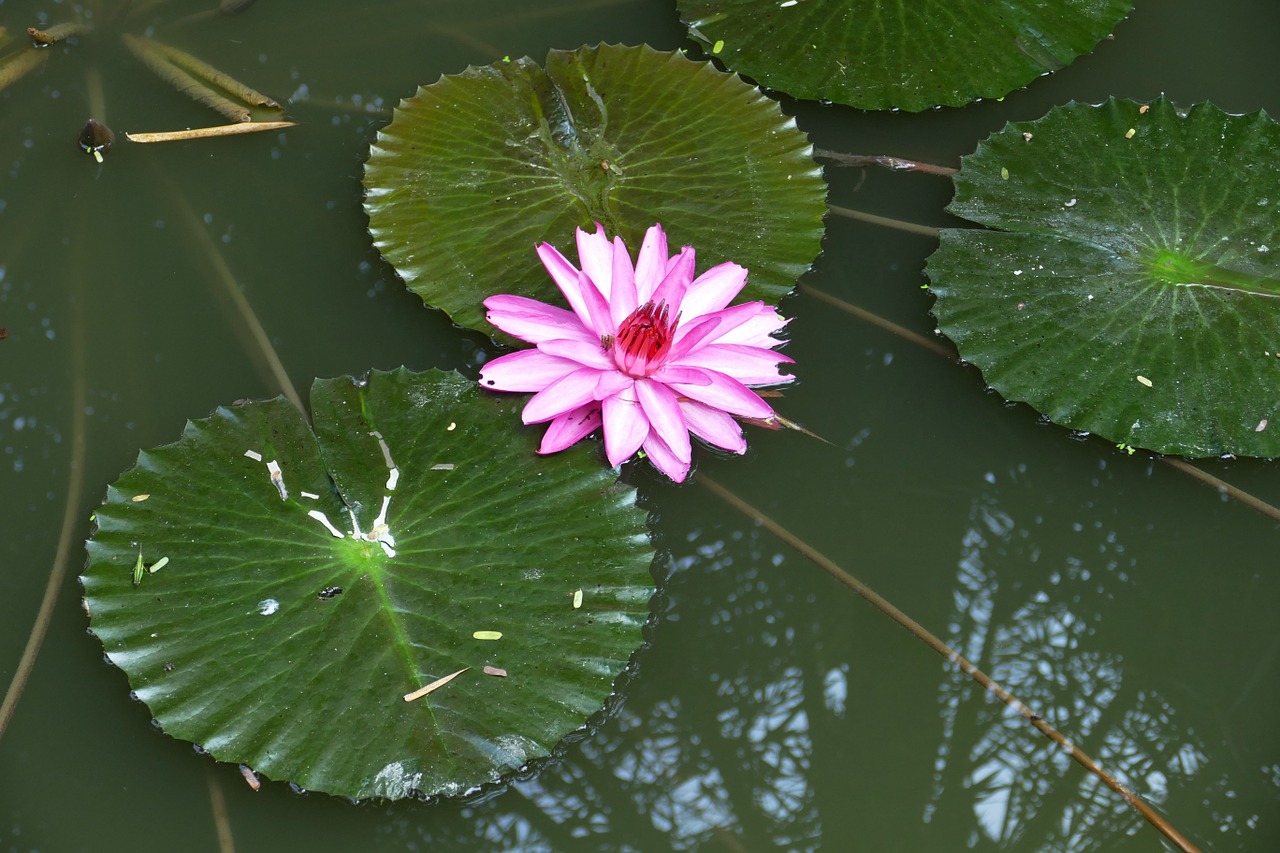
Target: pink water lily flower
[[649, 351]]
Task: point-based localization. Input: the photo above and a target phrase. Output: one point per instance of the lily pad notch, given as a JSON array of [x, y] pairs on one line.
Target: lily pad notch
[[477, 169], [317, 579]]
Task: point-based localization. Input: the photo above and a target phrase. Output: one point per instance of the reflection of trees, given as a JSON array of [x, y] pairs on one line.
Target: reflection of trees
[[1024, 791], [740, 729]]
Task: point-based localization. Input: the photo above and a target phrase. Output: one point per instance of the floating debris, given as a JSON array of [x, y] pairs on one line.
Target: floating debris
[[139, 498], [577, 599], [330, 592], [158, 565], [210, 132], [487, 635], [433, 686], [493, 670], [249, 776], [198, 79], [96, 139], [254, 455], [1144, 380]]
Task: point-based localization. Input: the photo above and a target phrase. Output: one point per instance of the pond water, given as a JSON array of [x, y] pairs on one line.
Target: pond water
[[1131, 605]]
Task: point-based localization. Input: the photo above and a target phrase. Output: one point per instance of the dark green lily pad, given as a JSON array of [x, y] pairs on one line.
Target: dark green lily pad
[[270, 641], [1134, 290], [477, 169], [876, 55]]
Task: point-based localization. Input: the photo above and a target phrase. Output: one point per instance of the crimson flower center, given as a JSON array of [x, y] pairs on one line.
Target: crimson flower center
[[643, 340]]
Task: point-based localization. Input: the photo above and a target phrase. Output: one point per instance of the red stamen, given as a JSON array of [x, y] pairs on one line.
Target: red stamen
[[644, 339]]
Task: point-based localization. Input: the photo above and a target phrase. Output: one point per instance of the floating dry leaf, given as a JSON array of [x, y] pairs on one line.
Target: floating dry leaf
[[210, 132], [433, 686]]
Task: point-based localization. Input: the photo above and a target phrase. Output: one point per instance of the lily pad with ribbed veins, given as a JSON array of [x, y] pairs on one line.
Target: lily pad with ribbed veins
[[876, 55], [477, 169], [295, 611], [1134, 287]]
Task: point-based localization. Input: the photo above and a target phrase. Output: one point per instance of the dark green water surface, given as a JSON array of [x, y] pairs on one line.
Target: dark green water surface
[[1132, 606]]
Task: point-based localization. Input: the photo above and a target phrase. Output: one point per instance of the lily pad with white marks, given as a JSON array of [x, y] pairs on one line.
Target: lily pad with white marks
[[296, 611], [477, 169], [876, 55], [1133, 289]]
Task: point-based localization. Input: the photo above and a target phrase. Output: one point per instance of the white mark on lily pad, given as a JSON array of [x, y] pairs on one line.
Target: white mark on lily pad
[[267, 606], [443, 466], [139, 498], [1262, 424], [1144, 380], [324, 519], [495, 670], [254, 455], [158, 565], [277, 479], [487, 635], [310, 495], [577, 599]]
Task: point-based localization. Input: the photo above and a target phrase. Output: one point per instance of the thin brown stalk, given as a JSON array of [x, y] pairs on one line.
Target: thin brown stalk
[[1251, 501], [877, 320], [221, 819], [898, 164], [218, 265], [238, 129], [929, 639], [71, 522], [888, 222]]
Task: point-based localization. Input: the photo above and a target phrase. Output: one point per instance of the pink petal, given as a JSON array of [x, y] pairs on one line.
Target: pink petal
[[676, 281], [566, 277], [622, 293], [651, 264], [752, 323], [595, 255], [625, 427], [725, 393], [670, 374], [664, 460], [612, 382], [534, 321], [713, 290], [568, 428], [714, 426], [597, 306], [562, 396], [527, 370], [688, 337], [585, 353], [748, 365], [663, 412]]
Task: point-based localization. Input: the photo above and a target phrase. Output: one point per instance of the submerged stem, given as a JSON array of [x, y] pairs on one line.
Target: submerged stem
[[271, 360], [70, 521], [888, 222], [933, 642]]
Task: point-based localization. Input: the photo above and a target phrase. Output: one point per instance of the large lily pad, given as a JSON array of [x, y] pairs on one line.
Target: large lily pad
[[1134, 290], [477, 169], [875, 54], [275, 637]]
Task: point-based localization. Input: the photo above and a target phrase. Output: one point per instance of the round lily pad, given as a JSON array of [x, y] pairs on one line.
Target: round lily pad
[[479, 168], [875, 54], [1133, 289], [275, 592]]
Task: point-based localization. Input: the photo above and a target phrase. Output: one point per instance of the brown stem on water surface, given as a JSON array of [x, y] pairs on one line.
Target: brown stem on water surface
[[877, 320], [237, 129], [70, 523], [898, 164], [926, 637], [1251, 501], [888, 222]]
